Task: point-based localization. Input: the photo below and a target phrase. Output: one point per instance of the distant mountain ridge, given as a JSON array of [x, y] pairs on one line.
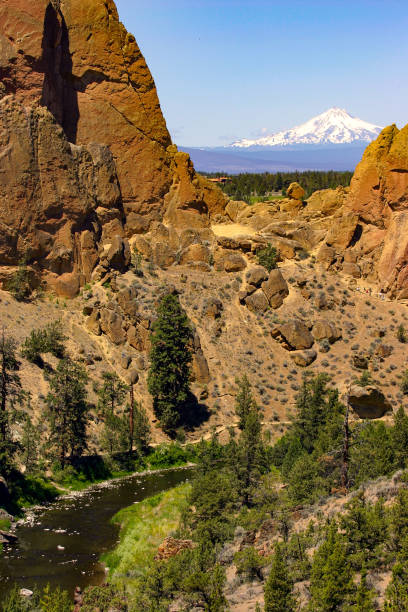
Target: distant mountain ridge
[[333, 127]]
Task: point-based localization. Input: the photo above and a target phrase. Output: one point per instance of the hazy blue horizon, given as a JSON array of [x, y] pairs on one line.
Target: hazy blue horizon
[[229, 69]]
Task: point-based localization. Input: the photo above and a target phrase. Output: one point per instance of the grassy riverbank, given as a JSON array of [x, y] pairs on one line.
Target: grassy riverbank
[[143, 527], [26, 491]]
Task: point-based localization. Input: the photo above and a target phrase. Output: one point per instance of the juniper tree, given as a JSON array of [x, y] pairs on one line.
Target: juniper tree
[[111, 395], [278, 587], [48, 339], [67, 410], [142, 434], [169, 375], [244, 401], [331, 577], [10, 392]]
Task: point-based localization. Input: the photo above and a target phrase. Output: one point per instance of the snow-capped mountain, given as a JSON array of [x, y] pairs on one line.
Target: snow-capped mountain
[[335, 126]]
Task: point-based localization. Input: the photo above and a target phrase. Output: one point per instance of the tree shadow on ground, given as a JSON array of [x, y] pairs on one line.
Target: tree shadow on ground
[[194, 413]]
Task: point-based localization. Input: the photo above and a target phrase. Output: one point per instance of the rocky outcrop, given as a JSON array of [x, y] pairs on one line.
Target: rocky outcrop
[[71, 76], [171, 547], [368, 402], [52, 194]]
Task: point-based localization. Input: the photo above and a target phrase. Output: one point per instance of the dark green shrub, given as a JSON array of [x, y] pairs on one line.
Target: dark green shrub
[[267, 257]]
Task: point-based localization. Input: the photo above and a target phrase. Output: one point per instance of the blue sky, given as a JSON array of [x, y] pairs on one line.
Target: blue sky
[[227, 69]]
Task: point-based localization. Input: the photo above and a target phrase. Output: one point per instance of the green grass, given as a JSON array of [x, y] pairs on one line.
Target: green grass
[[266, 198], [143, 527], [27, 491], [5, 525], [94, 469]]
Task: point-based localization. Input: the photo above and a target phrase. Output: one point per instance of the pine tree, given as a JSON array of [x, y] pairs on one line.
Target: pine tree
[[331, 576], [397, 591], [142, 433], [30, 441], [10, 392], [244, 401], [111, 395], [67, 410], [400, 438], [169, 374], [364, 596], [278, 587]]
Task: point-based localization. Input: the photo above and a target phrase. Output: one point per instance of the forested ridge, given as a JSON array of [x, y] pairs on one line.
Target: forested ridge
[[250, 187]]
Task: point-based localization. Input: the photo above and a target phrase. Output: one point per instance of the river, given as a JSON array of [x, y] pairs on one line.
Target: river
[[61, 543]]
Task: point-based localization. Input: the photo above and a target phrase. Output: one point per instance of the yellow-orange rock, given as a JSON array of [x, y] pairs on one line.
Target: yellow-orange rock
[[295, 191]]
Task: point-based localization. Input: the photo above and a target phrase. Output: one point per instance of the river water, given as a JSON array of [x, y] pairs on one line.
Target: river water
[[62, 542]]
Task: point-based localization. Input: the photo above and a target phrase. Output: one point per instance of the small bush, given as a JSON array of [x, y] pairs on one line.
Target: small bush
[[19, 284], [267, 257], [48, 339], [401, 334]]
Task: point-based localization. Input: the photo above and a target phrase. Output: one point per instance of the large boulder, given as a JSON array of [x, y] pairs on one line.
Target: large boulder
[[323, 329], [368, 402], [294, 334], [326, 201], [257, 302], [303, 358], [275, 288], [257, 275], [295, 191], [233, 262]]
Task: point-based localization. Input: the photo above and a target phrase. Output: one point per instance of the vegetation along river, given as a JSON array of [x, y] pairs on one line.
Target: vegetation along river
[[61, 543]]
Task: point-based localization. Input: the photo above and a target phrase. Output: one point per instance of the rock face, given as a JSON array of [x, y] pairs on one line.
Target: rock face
[[368, 402], [71, 76], [53, 195]]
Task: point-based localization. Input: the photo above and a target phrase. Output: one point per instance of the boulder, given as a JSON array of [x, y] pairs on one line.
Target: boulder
[[295, 191], [257, 302], [200, 371], [212, 308], [257, 275], [275, 288], [352, 269], [234, 262], [325, 329], [368, 402], [326, 201], [67, 285], [326, 255], [234, 208], [112, 325], [93, 323], [303, 358], [342, 230], [132, 377], [118, 255], [195, 253], [295, 334]]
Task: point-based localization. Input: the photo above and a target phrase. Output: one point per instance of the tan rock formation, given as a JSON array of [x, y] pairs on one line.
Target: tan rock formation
[[72, 65]]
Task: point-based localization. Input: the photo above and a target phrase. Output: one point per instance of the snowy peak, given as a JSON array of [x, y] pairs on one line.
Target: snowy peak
[[335, 126]]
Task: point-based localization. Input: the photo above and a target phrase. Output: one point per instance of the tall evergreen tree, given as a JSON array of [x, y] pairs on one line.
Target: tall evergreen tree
[[111, 396], [169, 374], [10, 391], [278, 587], [67, 410], [400, 438], [331, 577], [244, 401]]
